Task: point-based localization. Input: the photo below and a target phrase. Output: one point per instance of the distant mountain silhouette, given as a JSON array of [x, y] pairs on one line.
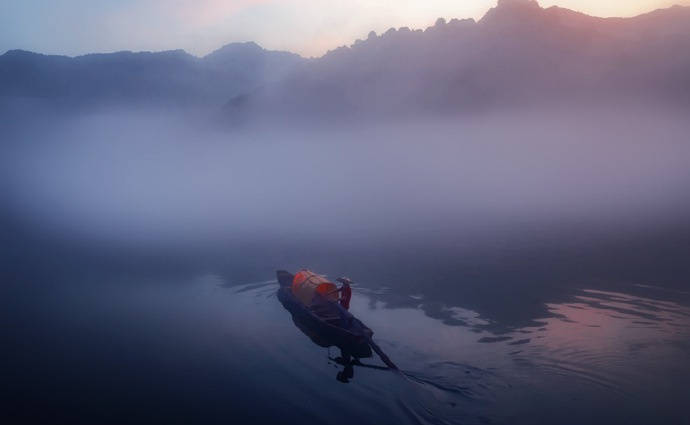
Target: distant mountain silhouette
[[519, 53], [162, 77]]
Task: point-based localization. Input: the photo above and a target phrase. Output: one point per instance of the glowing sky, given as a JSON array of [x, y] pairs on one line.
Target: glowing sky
[[308, 27]]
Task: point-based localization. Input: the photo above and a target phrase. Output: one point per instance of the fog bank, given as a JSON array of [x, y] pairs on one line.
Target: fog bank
[[149, 175]]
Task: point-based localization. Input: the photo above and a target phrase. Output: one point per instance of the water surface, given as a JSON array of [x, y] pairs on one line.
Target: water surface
[[207, 349]]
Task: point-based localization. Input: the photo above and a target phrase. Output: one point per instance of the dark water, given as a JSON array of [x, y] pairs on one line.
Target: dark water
[[213, 349]]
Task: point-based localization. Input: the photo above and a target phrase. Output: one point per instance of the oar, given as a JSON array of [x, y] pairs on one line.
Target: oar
[[356, 362], [382, 355]]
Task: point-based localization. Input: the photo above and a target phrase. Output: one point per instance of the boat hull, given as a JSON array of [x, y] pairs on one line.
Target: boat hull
[[352, 337]]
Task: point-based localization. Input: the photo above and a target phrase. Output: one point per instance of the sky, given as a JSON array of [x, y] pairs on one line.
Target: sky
[[307, 27]]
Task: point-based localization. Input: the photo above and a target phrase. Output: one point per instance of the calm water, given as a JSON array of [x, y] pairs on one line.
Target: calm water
[[213, 349]]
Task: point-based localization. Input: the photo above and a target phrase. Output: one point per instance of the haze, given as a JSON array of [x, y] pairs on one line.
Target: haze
[[390, 139], [147, 174]]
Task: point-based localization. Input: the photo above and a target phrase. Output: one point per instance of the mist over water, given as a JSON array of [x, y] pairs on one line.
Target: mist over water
[[156, 174], [535, 195], [504, 260]]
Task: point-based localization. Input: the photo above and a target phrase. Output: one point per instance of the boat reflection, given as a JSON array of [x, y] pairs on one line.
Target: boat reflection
[[348, 363]]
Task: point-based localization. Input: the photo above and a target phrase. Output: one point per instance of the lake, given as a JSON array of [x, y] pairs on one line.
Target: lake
[[212, 349], [519, 268]]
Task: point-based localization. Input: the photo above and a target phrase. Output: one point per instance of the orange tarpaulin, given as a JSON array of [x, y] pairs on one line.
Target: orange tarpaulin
[[306, 284]]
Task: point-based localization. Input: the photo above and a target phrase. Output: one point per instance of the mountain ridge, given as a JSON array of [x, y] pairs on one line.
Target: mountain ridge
[[500, 3], [170, 76], [517, 53], [233, 46]]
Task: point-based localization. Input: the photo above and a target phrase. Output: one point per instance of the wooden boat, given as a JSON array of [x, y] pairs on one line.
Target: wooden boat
[[326, 322], [329, 323]]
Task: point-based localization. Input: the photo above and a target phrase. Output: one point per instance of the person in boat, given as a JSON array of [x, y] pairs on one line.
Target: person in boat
[[345, 292]]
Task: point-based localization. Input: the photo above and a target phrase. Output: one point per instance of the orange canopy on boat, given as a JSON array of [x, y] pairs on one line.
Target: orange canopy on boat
[[306, 284]]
